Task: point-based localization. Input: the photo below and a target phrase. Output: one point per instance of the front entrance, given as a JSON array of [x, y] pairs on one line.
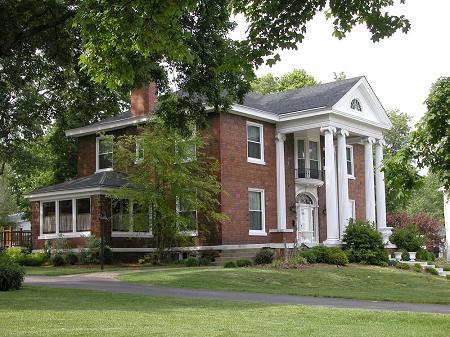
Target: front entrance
[[307, 231]]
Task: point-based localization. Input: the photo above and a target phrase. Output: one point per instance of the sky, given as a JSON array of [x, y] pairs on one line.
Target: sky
[[400, 69]]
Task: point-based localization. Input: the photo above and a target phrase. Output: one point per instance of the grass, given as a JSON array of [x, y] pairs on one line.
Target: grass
[[356, 282], [64, 312]]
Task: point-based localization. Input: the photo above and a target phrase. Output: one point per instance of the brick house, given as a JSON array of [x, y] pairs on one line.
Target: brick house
[[294, 167]]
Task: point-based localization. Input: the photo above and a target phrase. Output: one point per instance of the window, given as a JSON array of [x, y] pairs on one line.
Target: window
[[129, 218], [256, 212], [350, 167], [308, 159], [120, 215], [314, 159], [65, 216], [301, 158], [104, 153], [49, 217], [139, 150], [356, 104], [83, 214], [141, 219], [190, 216], [255, 143]]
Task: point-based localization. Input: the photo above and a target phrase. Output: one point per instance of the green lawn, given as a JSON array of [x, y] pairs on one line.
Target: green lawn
[[65, 312], [358, 282], [69, 270]]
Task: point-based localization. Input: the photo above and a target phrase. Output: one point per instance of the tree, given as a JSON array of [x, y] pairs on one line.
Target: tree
[[401, 176], [173, 177], [7, 204], [269, 84], [431, 140], [339, 76]]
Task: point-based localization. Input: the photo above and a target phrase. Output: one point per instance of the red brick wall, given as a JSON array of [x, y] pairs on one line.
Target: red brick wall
[[238, 175], [35, 222], [356, 187]]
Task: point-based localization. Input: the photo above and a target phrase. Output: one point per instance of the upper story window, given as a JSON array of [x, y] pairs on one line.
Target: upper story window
[[308, 159], [350, 161], [356, 104], [104, 153], [255, 143]]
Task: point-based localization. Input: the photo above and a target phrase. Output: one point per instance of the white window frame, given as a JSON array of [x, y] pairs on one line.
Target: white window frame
[[261, 136], [186, 232], [306, 141], [352, 175], [73, 233], [359, 102], [352, 205], [97, 148], [262, 231], [139, 159], [131, 233]]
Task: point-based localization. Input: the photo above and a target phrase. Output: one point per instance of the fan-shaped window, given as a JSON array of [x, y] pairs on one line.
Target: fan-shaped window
[[356, 104], [305, 199]]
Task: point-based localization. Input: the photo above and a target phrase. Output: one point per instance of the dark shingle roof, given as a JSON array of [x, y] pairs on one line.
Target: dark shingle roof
[[318, 96], [100, 179], [119, 117]]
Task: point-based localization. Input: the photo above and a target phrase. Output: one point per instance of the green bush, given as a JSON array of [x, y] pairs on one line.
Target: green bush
[[424, 255], [264, 256], [230, 264], [431, 270], [298, 260], [447, 277], [14, 254], [203, 261], [90, 253], [337, 257], [33, 259], [151, 258], [392, 263], [57, 260], [191, 262], [310, 255], [402, 265], [364, 244], [405, 255], [417, 268], [243, 263], [70, 258], [407, 238], [11, 275]]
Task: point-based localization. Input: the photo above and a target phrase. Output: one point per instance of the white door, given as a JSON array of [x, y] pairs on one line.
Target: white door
[[305, 221]]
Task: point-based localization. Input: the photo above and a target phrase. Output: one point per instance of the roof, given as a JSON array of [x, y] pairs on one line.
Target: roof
[[306, 98], [101, 179], [119, 117]]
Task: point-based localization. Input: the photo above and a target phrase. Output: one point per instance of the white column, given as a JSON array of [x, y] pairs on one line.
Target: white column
[[369, 179], [281, 182], [344, 213], [330, 185], [57, 216], [41, 218], [74, 215], [381, 193]]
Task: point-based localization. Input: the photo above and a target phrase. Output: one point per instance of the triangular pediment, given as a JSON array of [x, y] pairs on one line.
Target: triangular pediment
[[372, 112]]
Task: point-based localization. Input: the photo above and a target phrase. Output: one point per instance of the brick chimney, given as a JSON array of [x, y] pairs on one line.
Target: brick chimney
[[143, 100]]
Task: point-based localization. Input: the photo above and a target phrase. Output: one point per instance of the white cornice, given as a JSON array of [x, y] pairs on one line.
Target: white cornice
[[59, 195], [105, 126]]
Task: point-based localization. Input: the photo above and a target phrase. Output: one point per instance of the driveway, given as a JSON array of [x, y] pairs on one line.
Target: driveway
[[107, 282]]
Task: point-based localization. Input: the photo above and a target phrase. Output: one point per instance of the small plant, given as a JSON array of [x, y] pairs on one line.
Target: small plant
[[337, 257], [33, 259], [57, 260], [191, 262], [60, 244], [431, 270], [310, 255], [417, 268], [14, 254], [403, 266], [299, 260], [405, 255], [407, 238], [243, 263], [203, 261], [70, 258], [150, 258], [11, 275], [264, 256], [392, 263], [424, 255], [447, 277], [230, 264]]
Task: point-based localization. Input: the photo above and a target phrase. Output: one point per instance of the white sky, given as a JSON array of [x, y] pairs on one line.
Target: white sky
[[400, 69]]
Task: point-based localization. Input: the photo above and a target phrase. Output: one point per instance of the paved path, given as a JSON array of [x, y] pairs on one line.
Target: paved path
[[107, 282]]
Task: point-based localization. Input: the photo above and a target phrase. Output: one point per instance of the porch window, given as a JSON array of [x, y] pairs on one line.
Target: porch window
[[141, 219], [186, 210], [255, 143], [49, 217], [314, 159], [308, 165], [104, 153], [139, 150], [301, 158], [350, 167], [256, 211], [65, 216], [121, 215], [83, 214]]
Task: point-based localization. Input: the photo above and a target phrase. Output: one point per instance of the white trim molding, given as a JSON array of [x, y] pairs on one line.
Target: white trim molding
[[259, 161], [105, 126], [262, 231]]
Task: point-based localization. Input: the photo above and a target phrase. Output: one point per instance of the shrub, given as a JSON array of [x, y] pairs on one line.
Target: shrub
[[310, 255], [60, 244], [337, 257], [424, 255], [407, 238], [364, 243], [405, 255], [90, 253], [299, 260], [15, 254], [191, 262], [447, 277], [107, 255], [392, 263], [70, 258], [33, 259], [11, 275], [230, 264], [264, 256], [203, 261], [243, 263], [402, 265], [417, 268], [57, 260], [431, 270], [150, 258]]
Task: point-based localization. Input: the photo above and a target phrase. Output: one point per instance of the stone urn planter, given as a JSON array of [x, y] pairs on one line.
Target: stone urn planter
[[398, 256], [412, 256]]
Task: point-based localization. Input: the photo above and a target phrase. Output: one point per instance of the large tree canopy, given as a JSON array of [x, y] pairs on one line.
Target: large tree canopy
[[431, 141], [269, 84]]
